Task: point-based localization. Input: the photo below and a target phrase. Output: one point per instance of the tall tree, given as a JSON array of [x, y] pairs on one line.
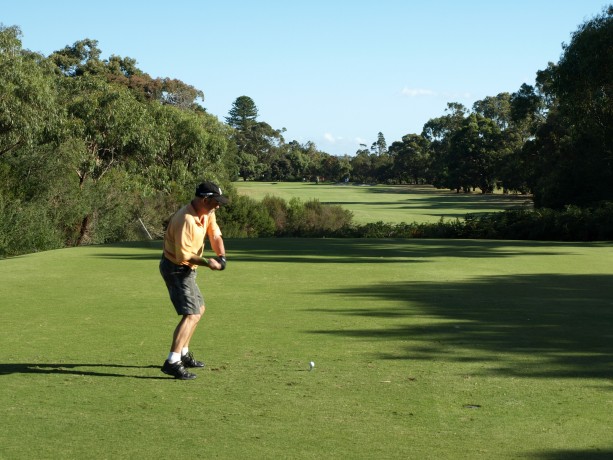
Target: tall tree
[[411, 159], [575, 146], [243, 114], [439, 132], [29, 112], [497, 109], [257, 142], [473, 155], [81, 58], [379, 147], [362, 166]]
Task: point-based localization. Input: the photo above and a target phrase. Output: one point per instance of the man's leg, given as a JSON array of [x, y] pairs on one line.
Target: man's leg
[[189, 339], [187, 356], [183, 332]]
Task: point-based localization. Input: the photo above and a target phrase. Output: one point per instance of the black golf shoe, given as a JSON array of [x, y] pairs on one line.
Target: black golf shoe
[[189, 361], [177, 370]]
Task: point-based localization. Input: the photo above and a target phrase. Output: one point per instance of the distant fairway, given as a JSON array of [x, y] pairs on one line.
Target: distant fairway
[[424, 349], [388, 203]]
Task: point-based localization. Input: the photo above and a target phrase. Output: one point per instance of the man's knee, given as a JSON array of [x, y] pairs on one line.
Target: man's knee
[[194, 318]]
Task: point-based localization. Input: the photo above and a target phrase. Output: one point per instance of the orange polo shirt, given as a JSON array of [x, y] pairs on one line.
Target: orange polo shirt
[[185, 235]]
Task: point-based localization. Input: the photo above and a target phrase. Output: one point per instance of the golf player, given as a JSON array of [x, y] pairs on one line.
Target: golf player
[[183, 249]]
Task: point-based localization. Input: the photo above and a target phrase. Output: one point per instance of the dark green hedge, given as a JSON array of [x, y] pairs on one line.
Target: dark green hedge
[[571, 224], [275, 217]]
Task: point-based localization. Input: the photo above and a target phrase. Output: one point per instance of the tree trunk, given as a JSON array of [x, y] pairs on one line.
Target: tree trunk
[[83, 232]]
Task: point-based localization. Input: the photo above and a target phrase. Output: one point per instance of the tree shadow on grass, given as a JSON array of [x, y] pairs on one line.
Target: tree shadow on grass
[[522, 325], [357, 250], [74, 369], [595, 454], [365, 250]]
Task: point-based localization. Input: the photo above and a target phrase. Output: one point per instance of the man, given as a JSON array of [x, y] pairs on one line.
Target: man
[[183, 249]]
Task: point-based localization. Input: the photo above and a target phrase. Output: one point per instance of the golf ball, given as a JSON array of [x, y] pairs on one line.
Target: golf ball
[[311, 365]]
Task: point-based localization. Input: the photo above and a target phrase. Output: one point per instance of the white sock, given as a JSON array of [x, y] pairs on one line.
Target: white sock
[[184, 351], [174, 357]]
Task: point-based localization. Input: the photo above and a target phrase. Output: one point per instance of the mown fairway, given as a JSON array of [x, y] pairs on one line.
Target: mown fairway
[[424, 349], [388, 203]]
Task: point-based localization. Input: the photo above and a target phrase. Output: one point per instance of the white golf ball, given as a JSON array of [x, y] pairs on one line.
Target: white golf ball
[[311, 365]]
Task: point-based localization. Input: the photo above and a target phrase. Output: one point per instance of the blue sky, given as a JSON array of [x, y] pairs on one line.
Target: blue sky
[[334, 72]]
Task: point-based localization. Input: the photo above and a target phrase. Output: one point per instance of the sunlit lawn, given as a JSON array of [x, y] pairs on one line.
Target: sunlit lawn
[[423, 349], [388, 203]]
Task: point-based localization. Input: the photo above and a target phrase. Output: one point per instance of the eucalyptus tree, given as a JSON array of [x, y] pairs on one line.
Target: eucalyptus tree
[[439, 132], [29, 111], [512, 114], [362, 165], [297, 160], [411, 159], [31, 167], [107, 128], [527, 113], [575, 146], [473, 155], [379, 147], [83, 57]]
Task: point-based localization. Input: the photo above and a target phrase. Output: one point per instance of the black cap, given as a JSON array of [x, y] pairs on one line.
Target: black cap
[[211, 190]]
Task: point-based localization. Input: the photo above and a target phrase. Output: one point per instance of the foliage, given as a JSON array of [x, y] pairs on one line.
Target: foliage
[[25, 229], [411, 159], [245, 218], [96, 144], [29, 111], [574, 148], [571, 224], [308, 217], [273, 216], [256, 142], [88, 143], [313, 218]]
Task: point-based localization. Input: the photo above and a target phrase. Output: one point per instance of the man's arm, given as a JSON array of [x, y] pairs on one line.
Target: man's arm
[[218, 246]]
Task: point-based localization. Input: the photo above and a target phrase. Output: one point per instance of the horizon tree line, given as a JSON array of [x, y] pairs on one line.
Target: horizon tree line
[[88, 144]]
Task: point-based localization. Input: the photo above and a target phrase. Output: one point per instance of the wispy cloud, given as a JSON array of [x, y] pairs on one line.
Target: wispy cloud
[[330, 138], [414, 92]]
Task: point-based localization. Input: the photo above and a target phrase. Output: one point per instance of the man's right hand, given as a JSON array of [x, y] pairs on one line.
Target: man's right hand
[[220, 260]]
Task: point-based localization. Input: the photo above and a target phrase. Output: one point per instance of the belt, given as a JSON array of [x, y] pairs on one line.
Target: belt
[[186, 267]]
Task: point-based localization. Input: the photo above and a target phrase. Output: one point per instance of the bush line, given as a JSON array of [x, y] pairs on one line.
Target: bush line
[[273, 216]]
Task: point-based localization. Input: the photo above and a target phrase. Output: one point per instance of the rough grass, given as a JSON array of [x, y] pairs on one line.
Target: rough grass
[[434, 349], [388, 203]]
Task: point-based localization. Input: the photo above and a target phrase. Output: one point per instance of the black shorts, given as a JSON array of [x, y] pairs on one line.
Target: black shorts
[[181, 283]]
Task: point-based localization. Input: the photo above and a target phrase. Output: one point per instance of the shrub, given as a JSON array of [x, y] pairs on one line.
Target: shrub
[[26, 228], [277, 210], [245, 218], [571, 224], [314, 219]]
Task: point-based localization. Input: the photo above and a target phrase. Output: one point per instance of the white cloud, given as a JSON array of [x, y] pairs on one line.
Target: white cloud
[[464, 95], [330, 138], [414, 92]]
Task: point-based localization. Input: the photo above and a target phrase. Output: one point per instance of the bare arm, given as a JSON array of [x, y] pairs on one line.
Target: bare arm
[[219, 249], [218, 246]]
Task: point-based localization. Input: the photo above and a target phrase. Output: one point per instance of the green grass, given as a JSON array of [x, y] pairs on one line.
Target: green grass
[[388, 203], [424, 349]]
